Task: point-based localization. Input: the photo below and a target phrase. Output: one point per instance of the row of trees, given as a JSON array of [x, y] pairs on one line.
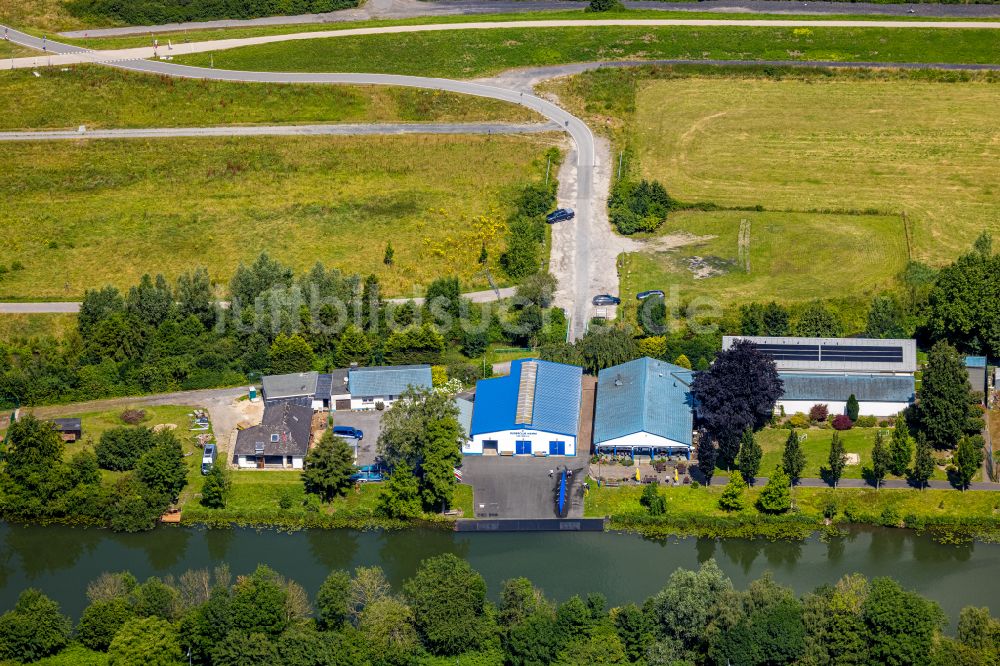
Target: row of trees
[[36, 483], [160, 337], [442, 615]]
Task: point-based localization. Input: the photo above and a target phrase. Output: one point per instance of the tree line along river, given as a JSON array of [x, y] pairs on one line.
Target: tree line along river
[[61, 561]]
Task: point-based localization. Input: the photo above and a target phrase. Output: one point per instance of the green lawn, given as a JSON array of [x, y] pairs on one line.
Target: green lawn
[[919, 147], [103, 97], [256, 497], [793, 256], [92, 213], [95, 423], [865, 505], [480, 52], [816, 447]]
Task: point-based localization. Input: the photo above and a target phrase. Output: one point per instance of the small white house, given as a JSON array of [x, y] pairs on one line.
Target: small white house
[[533, 411], [370, 387]]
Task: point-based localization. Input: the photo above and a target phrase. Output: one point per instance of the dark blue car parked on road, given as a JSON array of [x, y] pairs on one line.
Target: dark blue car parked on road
[[560, 215]]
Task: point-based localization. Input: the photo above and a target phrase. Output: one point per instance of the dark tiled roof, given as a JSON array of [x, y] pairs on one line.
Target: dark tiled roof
[[338, 381], [67, 425], [291, 423], [323, 385]]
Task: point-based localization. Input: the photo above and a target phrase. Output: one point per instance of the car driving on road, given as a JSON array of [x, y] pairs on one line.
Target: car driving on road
[[643, 295], [560, 215], [606, 299]]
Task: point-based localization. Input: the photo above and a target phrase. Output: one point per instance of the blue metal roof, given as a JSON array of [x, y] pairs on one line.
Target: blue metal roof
[[975, 361], [387, 380], [556, 406], [644, 395], [837, 388]]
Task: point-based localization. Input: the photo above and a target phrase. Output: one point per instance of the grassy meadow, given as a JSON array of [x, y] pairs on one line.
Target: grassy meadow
[[101, 97], [105, 212], [809, 151], [471, 53], [793, 256], [26, 326]]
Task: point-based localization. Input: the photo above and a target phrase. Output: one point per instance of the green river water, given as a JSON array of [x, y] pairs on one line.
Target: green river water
[[61, 560]]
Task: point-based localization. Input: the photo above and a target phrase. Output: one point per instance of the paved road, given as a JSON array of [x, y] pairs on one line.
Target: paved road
[[399, 9], [285, 130]]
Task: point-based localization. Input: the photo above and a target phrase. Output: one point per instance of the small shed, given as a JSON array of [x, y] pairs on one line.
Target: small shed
[[70, 430], [976, 367]]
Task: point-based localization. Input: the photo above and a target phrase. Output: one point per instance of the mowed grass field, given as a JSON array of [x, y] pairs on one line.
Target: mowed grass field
[[818, 148], [793, 256], [471, 53], [101, 97], [82, 214]]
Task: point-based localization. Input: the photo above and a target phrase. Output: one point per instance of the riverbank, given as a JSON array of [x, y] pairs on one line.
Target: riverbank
[[948, 516]]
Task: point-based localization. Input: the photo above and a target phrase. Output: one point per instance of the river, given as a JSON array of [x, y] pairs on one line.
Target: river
[[62, 560]]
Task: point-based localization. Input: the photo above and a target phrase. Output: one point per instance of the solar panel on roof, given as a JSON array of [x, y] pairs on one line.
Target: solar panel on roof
[[784, 352], [859, 353]]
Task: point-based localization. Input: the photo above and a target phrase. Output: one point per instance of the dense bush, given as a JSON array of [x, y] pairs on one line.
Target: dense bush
[[818, 413], [866, 422], [139, 12], [641, 206], [120, 448], [526, 228], [842, 422]]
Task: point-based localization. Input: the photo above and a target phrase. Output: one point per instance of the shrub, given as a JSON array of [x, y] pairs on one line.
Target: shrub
[[818, 413], [798, 420], [604, 5], [654, 502], [866, 422], [17, 266], [133, 416], [842, 422], [889, 517], [732, 495], [642, 206], [120, 448], [830, 509]]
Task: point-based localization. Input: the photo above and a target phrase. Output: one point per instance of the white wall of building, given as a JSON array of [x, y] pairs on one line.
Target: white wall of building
[[864, 408], [369, 401], [507, 442], [250, 462], [642, 439]]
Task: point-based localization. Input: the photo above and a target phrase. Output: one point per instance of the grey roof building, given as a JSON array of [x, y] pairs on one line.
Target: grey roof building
[[284, 431], [298, 387], [841, 355], [820, 387], [387, 380]]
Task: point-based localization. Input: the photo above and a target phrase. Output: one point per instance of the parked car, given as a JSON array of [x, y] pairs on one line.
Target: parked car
[[560, 215], [643, 295], [349, 432], [606, 299], [208, 458]]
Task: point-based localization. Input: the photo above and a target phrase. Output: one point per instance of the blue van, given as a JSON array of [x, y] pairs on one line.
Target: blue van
[[208, 458]]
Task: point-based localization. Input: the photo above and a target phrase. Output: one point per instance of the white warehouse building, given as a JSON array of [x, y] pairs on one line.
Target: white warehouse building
[[879, 373]]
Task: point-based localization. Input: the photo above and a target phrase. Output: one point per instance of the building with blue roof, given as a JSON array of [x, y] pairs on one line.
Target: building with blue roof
[[535, 410], [644, 406], [383, 385]]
